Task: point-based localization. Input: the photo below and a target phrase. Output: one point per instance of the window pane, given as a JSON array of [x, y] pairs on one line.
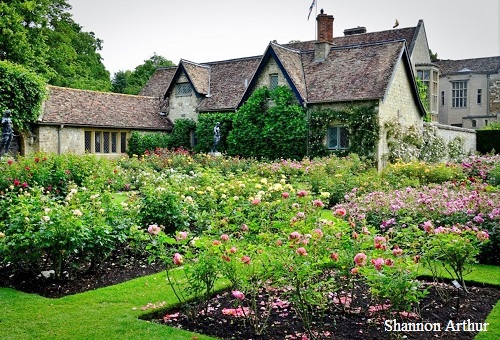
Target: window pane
[[88, 142], [344, 138], [273, 81], [123, 142], [97, 141], [332, 138], [113, 141], [105, 141], [183, 89]]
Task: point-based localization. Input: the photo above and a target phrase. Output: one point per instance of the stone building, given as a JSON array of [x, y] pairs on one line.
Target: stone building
[[358, 68], [80, 121], [469, 92]]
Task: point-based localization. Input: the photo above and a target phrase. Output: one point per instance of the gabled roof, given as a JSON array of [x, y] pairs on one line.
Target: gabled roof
[[360, 72], [487, 65], [228, 81], [408, 34], [158, 82], [198, 75], [73, 107]]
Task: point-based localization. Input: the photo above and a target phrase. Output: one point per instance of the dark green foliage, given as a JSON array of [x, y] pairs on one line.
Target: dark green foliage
[[270, 125], [22, 92], [205, 130], [131, 82], [362, 122], [42, 36], [423, 93], [139, 143], [488, 141]]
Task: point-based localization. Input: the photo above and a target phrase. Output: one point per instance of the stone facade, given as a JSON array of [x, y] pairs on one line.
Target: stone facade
[[399, 106], [183, 106], [448, 133], [271, 68], [494, 94]]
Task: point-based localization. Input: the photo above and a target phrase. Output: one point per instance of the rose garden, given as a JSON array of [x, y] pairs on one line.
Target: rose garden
[[238, 248]]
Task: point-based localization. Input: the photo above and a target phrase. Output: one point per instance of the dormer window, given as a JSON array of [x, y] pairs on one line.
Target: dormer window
[[183, 89], [273, 81]]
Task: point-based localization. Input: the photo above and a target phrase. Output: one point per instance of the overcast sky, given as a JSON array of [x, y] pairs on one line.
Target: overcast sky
[[212, 30]]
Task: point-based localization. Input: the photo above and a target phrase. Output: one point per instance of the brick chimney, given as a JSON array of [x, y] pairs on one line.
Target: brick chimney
[[325, 36], [325, 27]]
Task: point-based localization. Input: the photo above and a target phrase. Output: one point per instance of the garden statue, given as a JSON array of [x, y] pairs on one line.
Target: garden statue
[[7, 132], [216, 137]]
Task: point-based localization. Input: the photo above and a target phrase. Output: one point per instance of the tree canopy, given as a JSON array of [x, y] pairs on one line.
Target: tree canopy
[[42, 36], [131, 82]]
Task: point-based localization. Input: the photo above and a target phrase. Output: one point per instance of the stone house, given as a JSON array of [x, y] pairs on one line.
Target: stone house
[[469, 92], [359, 68], [81, 121]]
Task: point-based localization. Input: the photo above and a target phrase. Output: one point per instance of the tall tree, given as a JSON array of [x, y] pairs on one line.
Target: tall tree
[[42, 36], [131, 82]]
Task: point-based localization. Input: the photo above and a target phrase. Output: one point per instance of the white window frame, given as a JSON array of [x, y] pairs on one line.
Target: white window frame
[[459, 94]]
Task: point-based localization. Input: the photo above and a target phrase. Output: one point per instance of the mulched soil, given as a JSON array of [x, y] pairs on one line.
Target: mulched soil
[[284, 323], [119, 267]]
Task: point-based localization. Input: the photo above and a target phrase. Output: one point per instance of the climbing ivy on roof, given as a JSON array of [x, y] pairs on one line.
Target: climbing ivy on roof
[[361, 121], [22, 92]]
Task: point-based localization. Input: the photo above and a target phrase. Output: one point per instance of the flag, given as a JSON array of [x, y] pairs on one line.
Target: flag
[[311, 8]]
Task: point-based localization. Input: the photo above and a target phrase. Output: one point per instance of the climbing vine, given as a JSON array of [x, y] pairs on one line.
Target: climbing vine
[[22, 92], [361, 121]]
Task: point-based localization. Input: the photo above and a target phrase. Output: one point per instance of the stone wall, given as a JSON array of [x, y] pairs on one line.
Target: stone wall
[[183, 106], [270, 68], [448, 133], [399, 107], [494, 94]]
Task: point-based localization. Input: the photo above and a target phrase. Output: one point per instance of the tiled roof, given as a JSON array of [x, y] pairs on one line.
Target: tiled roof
[[351, 73], [198, 74], [477, 65], [72, 107], [228, 80], [158, 83], [407, 34], [292, 62]]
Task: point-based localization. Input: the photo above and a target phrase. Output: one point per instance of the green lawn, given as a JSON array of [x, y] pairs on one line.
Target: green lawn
[[112, 312]]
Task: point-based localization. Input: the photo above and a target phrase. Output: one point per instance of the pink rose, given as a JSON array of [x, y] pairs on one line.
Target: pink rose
[[182, 235], [302, 193], [246, 259], [178, 259], [378, 263], [354, 270], [318, 203], [216, 243], [153, 229], [224, 237], [360, 259], [256, 201], [238, 295], [397, 251], [244, 227], [295, 235], [301, 251], [483, 235], [389, 262], [233, 250], [317, 233], [285, 195], [340, 212], [334, 256]]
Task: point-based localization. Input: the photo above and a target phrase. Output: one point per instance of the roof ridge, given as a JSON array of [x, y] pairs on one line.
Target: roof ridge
[[286, 47], [95, 91], [233, 60]]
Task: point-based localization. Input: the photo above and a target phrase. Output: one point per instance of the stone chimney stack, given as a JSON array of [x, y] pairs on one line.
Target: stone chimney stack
[[325, 36]]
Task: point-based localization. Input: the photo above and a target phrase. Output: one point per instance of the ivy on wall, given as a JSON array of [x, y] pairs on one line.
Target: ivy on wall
[[361, 121], [22, 92]]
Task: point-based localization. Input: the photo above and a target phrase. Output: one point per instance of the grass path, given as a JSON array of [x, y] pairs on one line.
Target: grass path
[[112, 312]]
